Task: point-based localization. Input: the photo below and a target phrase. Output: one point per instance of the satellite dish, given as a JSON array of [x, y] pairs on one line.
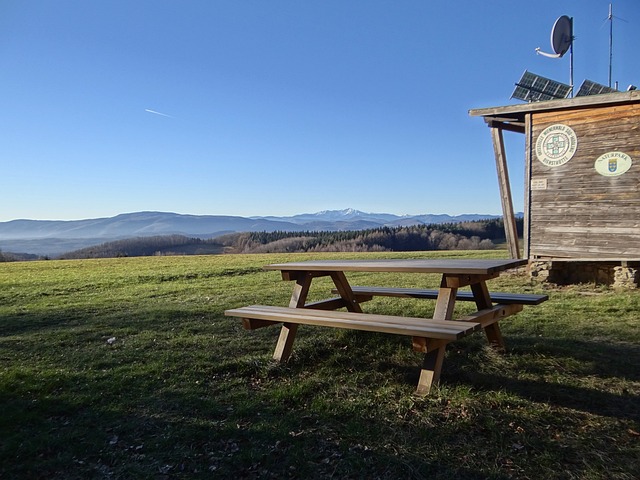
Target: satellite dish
[[562, 35], [561, 41]]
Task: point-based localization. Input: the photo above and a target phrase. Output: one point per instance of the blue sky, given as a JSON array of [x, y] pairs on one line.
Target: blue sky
[[276, 107]]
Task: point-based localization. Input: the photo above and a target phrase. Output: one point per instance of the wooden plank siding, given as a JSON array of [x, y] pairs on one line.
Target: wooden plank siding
[[582, 214]]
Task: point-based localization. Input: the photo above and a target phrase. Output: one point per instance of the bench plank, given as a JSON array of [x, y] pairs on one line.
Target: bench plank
[[411, 326], [489, 316], [497, 297]]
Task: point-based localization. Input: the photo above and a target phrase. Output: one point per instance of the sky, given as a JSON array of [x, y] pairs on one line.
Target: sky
[[276, 107]]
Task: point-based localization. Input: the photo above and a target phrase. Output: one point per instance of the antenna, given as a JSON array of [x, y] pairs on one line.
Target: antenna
[[561, 41], [610, 18]]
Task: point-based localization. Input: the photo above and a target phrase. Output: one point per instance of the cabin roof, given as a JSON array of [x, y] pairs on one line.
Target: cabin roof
[[516, 113]]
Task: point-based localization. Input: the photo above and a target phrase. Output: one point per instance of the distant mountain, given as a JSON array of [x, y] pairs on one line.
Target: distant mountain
[[54, 237], [136, 224], [380, 219], [336, 216]]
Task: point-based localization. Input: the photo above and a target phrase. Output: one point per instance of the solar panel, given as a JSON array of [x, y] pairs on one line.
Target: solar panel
[[592, 88], [534, 88]]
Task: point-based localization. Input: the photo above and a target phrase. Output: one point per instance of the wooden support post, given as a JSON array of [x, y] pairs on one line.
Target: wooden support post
[[344, 289], [528, 142], [481, 295], [285, 342], [289, 330], [508, 214], [300, 291], [446, 300], [431, 368], [433, 359], [445, 303], [482, 298]]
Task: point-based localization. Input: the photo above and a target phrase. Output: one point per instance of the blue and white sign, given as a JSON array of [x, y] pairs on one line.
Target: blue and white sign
[[612, 164]]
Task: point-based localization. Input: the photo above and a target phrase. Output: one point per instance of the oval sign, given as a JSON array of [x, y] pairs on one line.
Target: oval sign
[[556, 145], [612, 164]]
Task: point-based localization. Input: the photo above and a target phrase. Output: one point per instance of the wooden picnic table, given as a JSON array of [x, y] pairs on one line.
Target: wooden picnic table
[[430, 336]]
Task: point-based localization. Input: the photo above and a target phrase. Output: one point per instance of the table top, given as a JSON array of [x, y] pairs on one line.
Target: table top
[[448, 266]]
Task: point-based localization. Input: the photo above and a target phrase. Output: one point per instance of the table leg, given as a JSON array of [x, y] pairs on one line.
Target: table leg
[[445, 303], [483, 300], [289, 330], [432, 363], [300, 291], [344, 289], [431, 366]]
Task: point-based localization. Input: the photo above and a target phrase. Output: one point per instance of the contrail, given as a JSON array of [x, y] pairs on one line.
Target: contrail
[[157, 113]]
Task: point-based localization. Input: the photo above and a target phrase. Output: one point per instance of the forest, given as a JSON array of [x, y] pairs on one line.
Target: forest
[[477, 235]]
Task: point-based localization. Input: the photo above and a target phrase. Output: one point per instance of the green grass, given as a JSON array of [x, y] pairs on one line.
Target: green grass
[[127, 368]]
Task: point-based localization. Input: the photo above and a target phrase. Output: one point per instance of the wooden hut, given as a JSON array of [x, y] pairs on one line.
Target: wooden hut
[[582, 185]]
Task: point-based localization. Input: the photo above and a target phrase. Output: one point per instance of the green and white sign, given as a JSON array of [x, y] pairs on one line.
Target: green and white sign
[[612, 164], [556, 145]]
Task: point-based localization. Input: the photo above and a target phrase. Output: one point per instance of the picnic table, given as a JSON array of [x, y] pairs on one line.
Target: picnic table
[[429, 335]]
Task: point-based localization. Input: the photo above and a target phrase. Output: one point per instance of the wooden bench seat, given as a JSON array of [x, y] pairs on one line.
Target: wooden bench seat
[[258, 316], [364, 293], [429, 336]]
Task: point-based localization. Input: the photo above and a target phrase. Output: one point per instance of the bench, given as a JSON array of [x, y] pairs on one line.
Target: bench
[[365, 293], [429, 336], [258, 316]]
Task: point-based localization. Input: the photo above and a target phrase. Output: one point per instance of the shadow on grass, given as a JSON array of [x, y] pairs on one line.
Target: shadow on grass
[[144, 428], [66, 320], [209, 405], [621, 406], [570, 373], [582, 388], [26, 323]]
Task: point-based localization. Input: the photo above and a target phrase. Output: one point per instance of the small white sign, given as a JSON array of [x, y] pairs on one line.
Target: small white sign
[[612, 164], [556, 145], [539, 184]]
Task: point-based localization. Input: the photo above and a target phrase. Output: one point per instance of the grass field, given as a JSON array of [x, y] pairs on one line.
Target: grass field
[[127, 368]]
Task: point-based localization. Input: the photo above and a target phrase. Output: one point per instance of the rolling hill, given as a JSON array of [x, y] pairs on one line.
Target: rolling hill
[[54, 237]]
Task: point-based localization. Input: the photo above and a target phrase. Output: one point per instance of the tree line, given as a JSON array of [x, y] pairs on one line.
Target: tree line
[[475, 235], [17, 257], [148, 246]]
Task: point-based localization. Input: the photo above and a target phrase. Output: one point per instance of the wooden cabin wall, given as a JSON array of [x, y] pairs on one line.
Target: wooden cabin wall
[[580, 213]]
